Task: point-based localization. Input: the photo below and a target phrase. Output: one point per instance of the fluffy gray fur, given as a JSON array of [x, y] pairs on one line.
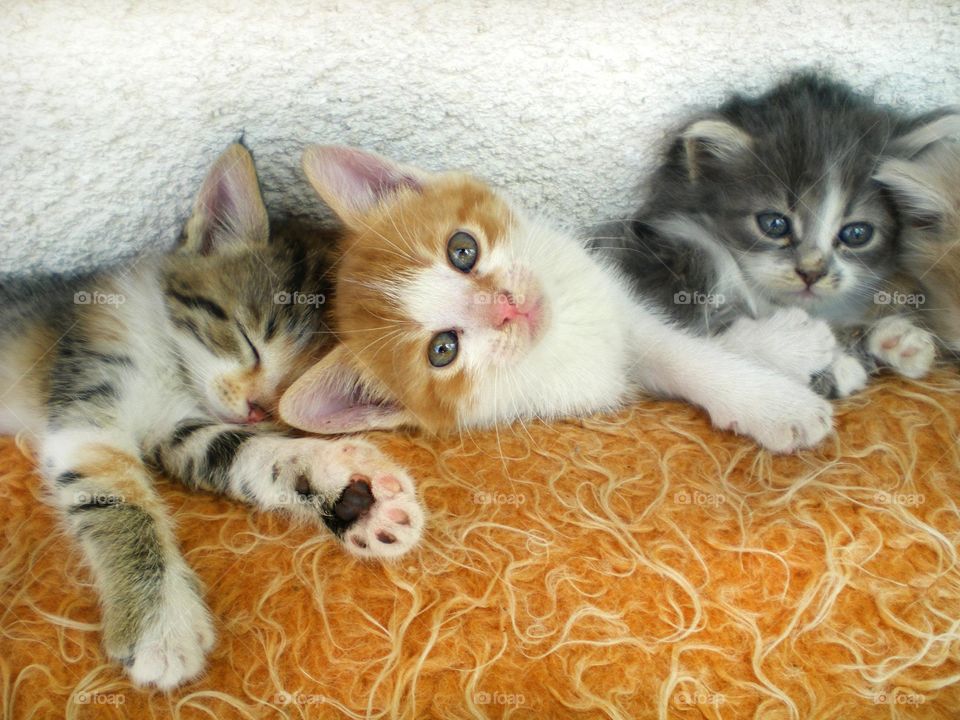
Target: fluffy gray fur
[[805, 151]]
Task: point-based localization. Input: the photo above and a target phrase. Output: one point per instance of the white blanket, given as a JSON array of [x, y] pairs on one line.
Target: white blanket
[[111, 111]]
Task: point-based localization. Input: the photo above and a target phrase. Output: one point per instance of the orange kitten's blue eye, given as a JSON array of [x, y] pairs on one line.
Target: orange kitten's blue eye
[[443, 348], [773, 225], [463, 251], [856, 234]]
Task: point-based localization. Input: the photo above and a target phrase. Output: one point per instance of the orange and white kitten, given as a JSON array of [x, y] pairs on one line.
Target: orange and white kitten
[[926, 190], [456, 310]]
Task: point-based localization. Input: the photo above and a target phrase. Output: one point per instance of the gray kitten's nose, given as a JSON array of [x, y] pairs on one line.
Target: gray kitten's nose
[[812, 275]]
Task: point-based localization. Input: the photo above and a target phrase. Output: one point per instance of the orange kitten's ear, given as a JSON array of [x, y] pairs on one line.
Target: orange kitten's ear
[[229, 210], [332, 398], [352, 181]]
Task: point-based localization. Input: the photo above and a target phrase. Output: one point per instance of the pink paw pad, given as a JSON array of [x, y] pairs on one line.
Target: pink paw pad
[[390, 484]]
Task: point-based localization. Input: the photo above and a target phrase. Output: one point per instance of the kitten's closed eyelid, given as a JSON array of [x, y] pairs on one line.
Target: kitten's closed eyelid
[[253, 348]]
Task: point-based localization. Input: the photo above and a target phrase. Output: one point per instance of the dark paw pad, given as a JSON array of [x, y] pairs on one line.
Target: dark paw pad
[[355, 499], [303, 485]]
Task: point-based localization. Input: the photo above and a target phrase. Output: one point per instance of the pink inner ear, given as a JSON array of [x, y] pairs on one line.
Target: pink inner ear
[[323, 409], [353, 418], [357, 179], [376, 175]]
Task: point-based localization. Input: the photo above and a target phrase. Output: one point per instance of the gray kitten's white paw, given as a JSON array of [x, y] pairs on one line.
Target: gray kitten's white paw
[[848, 374], [908, 349], [175, 639], [789, 340]]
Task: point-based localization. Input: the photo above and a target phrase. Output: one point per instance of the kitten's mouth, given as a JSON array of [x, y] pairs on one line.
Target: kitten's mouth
[[536, 319], [807, 294]]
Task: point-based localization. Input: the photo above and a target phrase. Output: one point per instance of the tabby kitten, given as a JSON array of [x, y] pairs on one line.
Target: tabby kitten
[[770, 202], [455, 311], [174, 364], [927, 193]]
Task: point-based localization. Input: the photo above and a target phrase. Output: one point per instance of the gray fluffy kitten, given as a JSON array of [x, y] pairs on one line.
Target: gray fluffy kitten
[[771, 202]]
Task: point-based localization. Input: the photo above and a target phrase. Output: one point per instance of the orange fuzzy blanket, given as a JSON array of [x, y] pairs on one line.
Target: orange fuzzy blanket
[[636, 566]]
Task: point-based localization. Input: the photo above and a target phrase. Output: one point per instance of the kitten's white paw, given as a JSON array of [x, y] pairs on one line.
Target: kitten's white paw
[[781, 414], [789, 340], [903, 346], [849, 376], [172, 647], [394, 522], [359, 493]]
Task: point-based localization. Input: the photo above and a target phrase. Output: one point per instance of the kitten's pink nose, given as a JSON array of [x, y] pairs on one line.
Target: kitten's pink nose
[[508, 310], [256, 413], [505, 311]]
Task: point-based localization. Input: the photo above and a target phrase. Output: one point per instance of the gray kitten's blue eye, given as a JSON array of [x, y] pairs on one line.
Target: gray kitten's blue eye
[[856, 234], [443, 348], [462, 250], [773, 225]]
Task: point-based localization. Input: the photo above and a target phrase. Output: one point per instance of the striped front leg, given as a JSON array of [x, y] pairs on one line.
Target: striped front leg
[[154, 618], [348, 485]]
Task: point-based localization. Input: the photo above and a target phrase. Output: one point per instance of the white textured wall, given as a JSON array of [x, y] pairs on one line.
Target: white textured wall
[[110, 112]]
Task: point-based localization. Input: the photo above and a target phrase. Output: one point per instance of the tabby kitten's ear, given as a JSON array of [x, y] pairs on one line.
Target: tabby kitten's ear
[[713, 139], [938, 126], [229, 211], [352, 182], [332, 397]]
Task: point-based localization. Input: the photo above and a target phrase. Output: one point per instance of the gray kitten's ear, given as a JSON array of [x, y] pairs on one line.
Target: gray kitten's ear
[[333, 398], [922, 187], [713, 137], [352, 182], [941, 125], [229, 211]]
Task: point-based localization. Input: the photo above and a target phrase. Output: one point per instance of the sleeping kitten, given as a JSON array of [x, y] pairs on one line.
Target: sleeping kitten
[[927, 192], [770, 202], [173, 364], [455, 311]]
